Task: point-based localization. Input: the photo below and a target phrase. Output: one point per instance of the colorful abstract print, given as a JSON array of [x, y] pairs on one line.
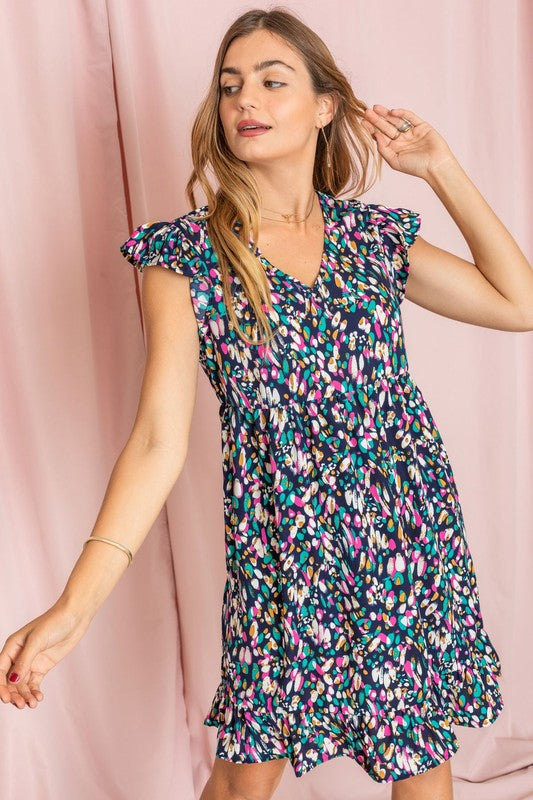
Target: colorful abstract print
[[351, 621]]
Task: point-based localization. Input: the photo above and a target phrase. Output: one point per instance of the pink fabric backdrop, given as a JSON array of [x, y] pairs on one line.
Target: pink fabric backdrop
[[98, 100]]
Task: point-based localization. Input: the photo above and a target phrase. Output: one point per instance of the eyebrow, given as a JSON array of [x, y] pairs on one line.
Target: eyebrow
[[257, 67]]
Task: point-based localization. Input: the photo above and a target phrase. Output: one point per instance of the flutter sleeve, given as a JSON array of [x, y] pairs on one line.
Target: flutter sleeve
[[167, 244], [397, 229]]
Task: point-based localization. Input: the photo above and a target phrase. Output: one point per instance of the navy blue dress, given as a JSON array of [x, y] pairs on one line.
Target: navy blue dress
[[350, 620]]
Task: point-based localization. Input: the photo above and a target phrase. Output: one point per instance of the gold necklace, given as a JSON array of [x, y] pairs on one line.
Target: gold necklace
[[286, 217]]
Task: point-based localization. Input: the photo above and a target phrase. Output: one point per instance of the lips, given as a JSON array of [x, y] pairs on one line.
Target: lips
[[245, 123]]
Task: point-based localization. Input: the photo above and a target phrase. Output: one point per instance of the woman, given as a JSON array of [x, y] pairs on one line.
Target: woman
[[351, 619]]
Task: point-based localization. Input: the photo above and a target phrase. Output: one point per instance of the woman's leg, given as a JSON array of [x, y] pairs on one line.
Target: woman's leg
[[435, 784], [231, 781]]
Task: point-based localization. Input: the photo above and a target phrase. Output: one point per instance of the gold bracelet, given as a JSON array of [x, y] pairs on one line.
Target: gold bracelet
[[110, 541]]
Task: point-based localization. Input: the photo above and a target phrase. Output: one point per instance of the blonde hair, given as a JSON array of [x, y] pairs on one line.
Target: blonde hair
[[237, 198]]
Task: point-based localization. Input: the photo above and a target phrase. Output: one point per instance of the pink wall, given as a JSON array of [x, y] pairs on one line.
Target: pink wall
[[98, 100]]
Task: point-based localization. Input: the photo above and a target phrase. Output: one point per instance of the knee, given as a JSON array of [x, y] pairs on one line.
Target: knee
[[434, 784], [233, 781], [253, 793]]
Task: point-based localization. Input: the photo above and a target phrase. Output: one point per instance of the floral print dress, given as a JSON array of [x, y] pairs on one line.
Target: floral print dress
[[351, 622]]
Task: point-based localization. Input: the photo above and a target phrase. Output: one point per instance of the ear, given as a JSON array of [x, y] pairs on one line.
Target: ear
[[326, 109]]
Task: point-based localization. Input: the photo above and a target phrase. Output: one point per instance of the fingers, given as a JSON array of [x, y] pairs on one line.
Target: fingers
[[410, 116], [9, 651], [22, 693], [23, 696], [388, 121], [31, 652], [15, 662]]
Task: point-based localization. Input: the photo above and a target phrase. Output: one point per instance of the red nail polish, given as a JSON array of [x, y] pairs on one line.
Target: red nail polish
[[13, 677]]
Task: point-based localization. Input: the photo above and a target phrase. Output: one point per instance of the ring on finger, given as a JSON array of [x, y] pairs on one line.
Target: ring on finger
[[403, 127]]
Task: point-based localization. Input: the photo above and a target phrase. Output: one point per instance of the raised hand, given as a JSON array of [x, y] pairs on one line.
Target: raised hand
[[420, 150]]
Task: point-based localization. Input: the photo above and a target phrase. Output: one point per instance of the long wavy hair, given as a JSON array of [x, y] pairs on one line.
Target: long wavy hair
[[352, 150]]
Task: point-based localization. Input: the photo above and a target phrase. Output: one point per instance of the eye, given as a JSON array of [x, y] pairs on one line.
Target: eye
[[226, 89]]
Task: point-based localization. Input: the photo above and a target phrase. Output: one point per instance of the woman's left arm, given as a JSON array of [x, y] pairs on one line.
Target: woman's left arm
[[493, 291]]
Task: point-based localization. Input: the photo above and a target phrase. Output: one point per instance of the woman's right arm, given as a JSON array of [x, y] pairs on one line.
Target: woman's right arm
[[153, 456], [140, 482]]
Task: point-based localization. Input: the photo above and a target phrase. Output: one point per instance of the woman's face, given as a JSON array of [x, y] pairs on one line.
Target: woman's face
[[279, 96]]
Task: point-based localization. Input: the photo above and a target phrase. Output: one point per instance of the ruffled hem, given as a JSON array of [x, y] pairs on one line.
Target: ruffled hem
[[468, 683], [407, 734]]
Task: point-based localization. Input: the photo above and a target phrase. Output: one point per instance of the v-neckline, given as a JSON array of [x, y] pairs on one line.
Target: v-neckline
[[323, 259]]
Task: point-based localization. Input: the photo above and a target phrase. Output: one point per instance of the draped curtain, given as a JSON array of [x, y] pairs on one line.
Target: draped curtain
[[98, 101]]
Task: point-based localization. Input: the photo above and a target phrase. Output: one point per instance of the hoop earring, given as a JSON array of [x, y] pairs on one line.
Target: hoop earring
[[328, 153]]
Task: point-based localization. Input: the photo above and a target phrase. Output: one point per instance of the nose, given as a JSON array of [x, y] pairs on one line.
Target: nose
[[247, 96]]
